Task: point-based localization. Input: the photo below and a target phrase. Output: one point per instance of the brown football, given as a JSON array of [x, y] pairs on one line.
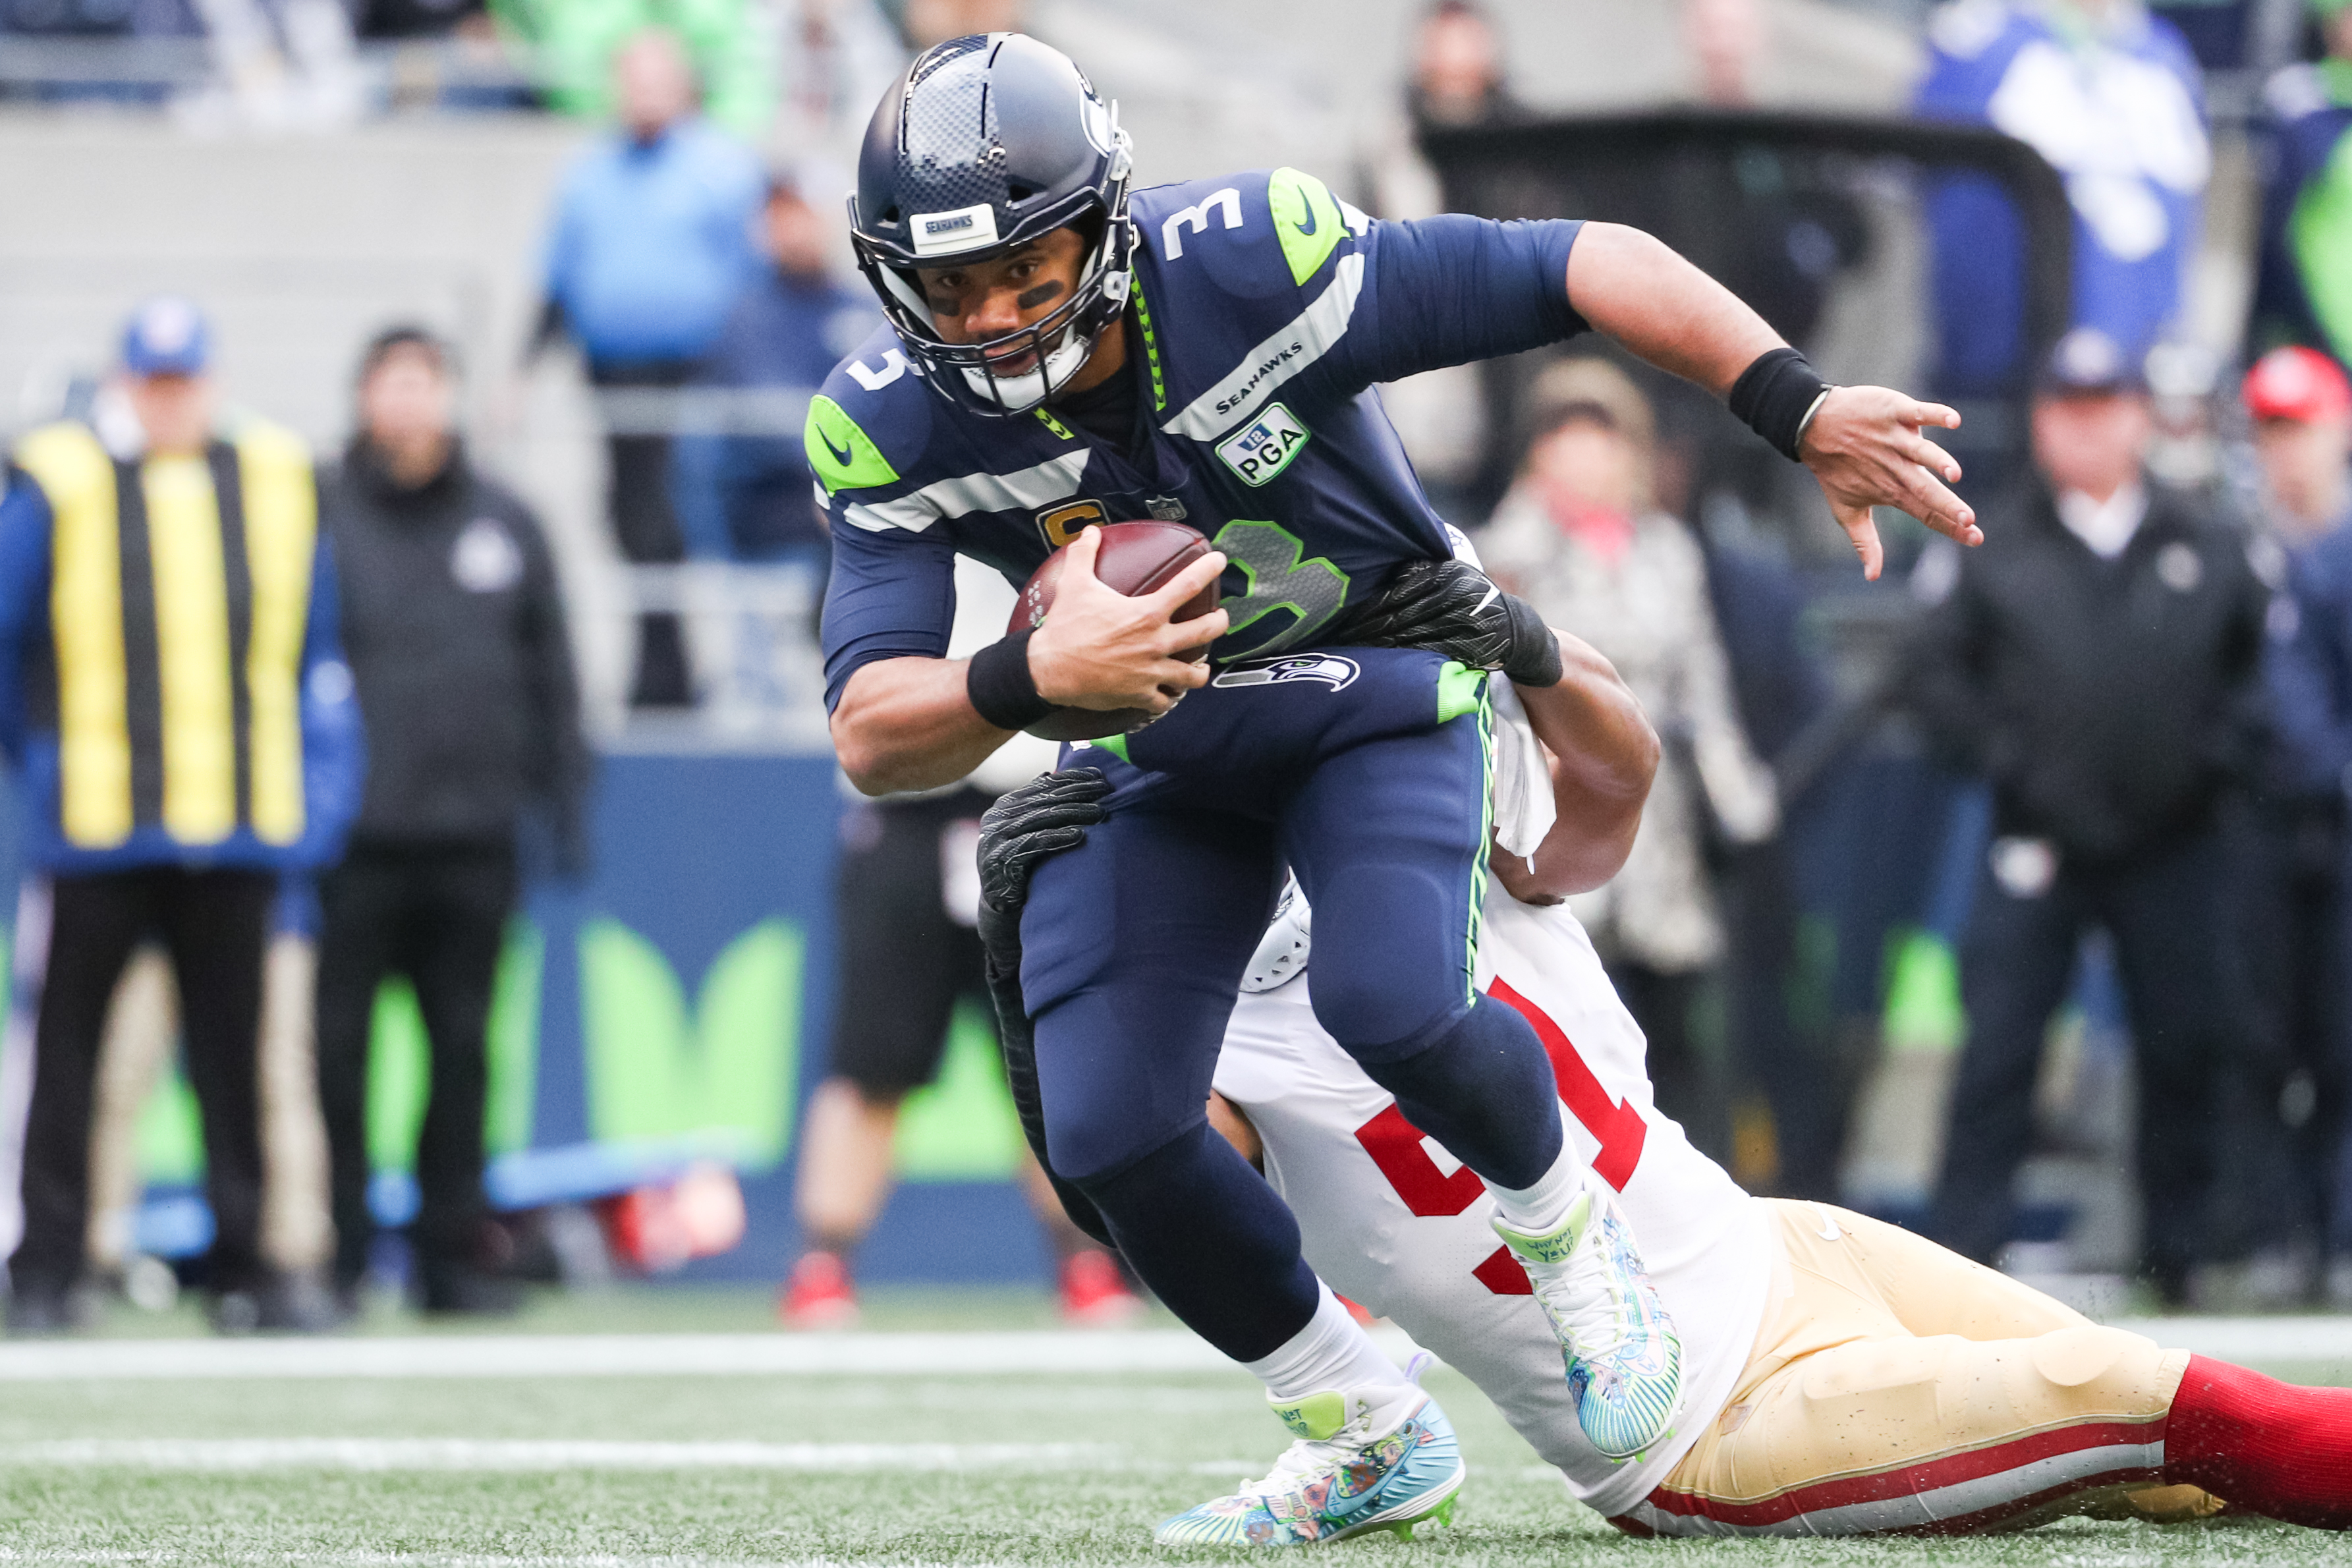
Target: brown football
[[1136, 558]]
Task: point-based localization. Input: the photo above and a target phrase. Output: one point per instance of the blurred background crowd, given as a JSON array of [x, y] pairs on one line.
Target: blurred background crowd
[[2005, 897]]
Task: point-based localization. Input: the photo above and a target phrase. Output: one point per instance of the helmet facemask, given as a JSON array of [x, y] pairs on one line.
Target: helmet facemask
[[1056, 346]]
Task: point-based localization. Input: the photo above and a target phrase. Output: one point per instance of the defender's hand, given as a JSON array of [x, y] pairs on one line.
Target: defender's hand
[[1865, 448], [1452, 607], [1044, 817], [1098, 649]]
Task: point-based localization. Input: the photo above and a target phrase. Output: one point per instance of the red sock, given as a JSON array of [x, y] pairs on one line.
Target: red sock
[[2262, 1445]]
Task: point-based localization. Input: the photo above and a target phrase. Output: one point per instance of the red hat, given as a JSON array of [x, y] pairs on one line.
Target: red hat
[[2297, 383]]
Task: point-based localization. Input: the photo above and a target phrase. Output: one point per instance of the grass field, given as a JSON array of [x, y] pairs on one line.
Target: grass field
[[926, 1466]]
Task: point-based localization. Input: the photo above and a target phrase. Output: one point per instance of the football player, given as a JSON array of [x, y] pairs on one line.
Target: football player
[[1059, 354], [1841, 1376]]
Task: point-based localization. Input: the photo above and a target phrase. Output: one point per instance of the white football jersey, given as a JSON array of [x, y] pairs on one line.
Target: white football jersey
[[1395, 1223]]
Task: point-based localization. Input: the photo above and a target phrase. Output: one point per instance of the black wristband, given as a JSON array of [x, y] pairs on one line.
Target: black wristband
[[999, 687], [1774, 397]]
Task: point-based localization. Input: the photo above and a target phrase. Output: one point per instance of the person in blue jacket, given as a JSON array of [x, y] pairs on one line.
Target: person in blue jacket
[[2112, 97], [651, 241], [1060, 355], [175, 705], [746, 492], [2295, 929]]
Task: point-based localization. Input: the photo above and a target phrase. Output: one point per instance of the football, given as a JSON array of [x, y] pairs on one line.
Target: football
[[1136, 558]]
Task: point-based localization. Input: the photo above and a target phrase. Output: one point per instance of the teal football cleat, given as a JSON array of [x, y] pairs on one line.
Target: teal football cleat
[[1341, 1478], [1624, 1362]]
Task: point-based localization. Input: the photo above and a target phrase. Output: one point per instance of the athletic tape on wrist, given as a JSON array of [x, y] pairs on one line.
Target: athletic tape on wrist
[[1777, 398], [999, 688]]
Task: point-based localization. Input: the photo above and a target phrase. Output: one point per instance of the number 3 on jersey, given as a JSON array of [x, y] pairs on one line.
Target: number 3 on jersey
[[1396, 1145]]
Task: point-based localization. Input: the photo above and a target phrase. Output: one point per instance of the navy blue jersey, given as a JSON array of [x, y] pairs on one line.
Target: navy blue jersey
[[1264, 312]]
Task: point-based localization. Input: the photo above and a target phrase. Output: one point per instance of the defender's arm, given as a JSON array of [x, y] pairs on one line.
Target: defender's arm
[[1604, 756]]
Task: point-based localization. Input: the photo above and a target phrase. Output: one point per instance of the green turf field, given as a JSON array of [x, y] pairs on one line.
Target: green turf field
[[925, 1467]]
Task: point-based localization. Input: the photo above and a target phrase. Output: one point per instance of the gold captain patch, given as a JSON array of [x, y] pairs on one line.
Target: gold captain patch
[[1065, 520]]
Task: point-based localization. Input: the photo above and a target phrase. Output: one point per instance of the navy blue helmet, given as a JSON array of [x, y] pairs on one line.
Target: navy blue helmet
[[988, 143]]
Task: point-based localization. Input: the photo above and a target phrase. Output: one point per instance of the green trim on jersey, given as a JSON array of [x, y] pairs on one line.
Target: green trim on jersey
[[1460, 689], [1485, 712], [841, 456], [1150, 345], [1280, 578], [1305, 219], [1117, 746], [1056, 426]]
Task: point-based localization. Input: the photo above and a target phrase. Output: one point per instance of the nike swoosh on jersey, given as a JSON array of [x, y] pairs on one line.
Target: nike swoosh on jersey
[[841, 454], [1307, 229], [1829, 1231]]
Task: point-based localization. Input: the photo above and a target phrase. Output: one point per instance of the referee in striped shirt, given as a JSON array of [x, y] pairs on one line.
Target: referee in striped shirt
[[175, 702]]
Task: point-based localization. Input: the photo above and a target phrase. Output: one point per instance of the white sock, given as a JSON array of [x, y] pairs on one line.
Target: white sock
[[1538, 1210], [1331, 1354]]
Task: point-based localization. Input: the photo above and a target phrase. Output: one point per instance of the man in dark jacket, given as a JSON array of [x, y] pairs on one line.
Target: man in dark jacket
[[457, 641], [2099, 661]]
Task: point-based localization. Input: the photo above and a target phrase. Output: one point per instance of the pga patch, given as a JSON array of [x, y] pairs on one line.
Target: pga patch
[[1259, 451]]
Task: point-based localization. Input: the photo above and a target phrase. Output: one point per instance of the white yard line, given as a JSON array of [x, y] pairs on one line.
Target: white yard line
[[626, 1355], [467, 1454], [863, 1355]]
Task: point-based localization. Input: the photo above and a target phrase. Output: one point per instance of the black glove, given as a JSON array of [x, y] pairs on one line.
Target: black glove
[[1452, 607], [1044, 816], [1049, 814]]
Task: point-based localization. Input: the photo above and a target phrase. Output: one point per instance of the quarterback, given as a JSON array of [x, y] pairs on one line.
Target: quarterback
[[1841, 1376], [1056, 355]]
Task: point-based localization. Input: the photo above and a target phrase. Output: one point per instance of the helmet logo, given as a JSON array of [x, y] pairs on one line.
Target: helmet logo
[[944, 234]]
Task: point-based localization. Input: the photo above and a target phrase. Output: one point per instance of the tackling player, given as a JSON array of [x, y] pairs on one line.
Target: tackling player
[[1842, 1377], [1056, 356]]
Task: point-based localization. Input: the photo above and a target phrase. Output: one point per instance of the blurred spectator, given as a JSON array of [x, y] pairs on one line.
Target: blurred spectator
[[2111, 97], [1725, 39], [2098, 660], [454, 623], [650, 245], [1581, 536], [2294, 930], [2303, 290], [907, 900], [1454, 77], [413, 19], [791, 325], [727, 43], [836, 60], [174, 696], [928, 22]]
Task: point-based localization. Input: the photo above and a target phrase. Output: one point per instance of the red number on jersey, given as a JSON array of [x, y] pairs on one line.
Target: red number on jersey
[[1395, 1147], [1617, 1125]]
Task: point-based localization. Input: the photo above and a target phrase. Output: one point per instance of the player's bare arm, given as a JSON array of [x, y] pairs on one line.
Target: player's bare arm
[[1864, 444], [909, 723], [1604, 754]]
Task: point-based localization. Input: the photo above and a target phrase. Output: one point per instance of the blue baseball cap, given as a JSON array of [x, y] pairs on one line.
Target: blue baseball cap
[[166, 336]]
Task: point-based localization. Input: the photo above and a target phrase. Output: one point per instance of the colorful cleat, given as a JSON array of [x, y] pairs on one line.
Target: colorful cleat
[[819, 1294], [1342, 1477], [1624, 1361]]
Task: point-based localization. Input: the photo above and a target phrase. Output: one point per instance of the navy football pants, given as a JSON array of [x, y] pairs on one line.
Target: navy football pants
[[1134, 948]]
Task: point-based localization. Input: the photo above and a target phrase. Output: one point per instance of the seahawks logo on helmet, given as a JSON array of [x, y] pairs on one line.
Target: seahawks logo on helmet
[[1328, 668]]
